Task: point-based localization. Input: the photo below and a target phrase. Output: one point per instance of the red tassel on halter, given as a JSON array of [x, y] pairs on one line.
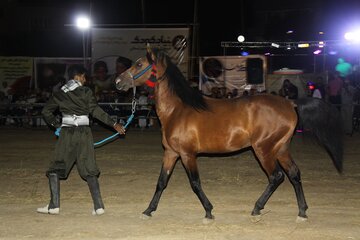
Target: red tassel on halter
[[152, 80], [150, 83]]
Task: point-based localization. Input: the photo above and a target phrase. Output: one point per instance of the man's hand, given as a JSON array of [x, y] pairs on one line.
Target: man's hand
[[119, 128]]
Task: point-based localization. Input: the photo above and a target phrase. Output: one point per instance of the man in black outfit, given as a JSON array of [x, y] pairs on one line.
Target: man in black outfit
[[75, 144]]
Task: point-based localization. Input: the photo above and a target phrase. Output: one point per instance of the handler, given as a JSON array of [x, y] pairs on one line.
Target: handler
[[75, 144]]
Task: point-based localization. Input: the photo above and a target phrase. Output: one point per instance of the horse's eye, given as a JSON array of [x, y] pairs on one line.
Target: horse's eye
[[139, 64]]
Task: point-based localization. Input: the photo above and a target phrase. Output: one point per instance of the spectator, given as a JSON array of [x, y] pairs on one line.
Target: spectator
[[316, 93], [101, 79], [343, 68], [288, 90], [315, 90], [121, 65], [334, 89]]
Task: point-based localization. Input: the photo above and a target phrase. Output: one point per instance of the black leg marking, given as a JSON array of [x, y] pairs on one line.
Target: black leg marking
[[275, 179], [295, 179], [160, 187], [194, 178]]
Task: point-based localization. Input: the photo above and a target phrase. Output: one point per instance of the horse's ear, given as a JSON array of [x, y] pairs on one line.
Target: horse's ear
[[149, 53], [148, 48]]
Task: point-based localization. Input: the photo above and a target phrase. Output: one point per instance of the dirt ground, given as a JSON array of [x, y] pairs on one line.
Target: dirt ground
[[130, 169]]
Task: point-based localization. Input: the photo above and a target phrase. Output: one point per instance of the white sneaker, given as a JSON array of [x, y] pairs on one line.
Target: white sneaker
[[47, 210], [99, 211]]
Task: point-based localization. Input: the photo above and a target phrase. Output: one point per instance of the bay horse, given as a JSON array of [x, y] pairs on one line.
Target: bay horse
[[192, 123]]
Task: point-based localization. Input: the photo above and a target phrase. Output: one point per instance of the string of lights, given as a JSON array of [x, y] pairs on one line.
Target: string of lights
[[286, 45]]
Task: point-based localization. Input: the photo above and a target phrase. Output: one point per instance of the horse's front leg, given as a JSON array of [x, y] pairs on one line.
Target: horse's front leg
[[167, 168], [189, 163]]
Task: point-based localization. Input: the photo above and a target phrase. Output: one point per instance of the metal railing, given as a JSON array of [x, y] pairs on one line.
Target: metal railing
[[29, 114]]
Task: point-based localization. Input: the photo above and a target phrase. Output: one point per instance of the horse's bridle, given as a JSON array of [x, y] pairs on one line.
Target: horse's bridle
[[152, 79], [142, 72]]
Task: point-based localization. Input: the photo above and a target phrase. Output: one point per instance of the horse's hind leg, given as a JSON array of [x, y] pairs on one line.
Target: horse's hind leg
[[293, 174], [276, 177], [167, 168], [189, 163]]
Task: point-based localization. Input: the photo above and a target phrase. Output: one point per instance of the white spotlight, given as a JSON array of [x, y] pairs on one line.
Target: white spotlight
[[353, 36], [83, 23], [241, 38]]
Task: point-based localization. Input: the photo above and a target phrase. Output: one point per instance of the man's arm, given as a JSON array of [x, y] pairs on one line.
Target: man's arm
[[48, 113], [97, 112]]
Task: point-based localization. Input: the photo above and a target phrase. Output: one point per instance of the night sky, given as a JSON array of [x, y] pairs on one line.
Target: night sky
[[41, 28]]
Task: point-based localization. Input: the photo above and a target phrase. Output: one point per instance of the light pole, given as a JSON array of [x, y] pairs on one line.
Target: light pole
[[83, 23]]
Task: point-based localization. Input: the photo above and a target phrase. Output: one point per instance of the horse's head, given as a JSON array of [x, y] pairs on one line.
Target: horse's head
[[142, 72]]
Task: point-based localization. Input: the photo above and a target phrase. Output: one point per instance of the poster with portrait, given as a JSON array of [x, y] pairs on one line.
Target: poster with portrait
[[232, 72]]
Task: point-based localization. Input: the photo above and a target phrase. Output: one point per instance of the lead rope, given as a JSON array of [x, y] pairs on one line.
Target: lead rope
[[131, 117]]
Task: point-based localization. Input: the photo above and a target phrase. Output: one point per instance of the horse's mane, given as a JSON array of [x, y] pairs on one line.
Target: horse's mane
[[178, 84]]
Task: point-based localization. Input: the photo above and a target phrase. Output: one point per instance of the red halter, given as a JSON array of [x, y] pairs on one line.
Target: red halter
[[152, 79]]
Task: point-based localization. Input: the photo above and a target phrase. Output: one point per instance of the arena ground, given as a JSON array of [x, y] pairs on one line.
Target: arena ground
[[130, 168]]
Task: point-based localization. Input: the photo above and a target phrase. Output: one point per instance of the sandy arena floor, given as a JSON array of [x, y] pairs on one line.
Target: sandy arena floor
[[130, 169]]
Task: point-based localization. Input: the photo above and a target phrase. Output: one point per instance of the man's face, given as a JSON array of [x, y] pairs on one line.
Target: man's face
[[100, 73], [81, 78]]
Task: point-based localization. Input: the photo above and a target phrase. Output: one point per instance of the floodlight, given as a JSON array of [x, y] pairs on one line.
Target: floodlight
[[316, 52], [275, 45], [353, 36], [83, 23], [241, 38], [303, 45]]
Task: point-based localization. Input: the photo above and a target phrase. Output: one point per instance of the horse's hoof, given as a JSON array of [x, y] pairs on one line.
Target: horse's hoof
[[145, 217], [301, 219], [208, 220], [256, 218]]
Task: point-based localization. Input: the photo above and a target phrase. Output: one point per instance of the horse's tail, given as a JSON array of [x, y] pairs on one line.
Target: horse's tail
[[324, 121]]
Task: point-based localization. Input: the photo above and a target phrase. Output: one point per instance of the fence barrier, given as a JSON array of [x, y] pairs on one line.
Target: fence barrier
[[29, 114]]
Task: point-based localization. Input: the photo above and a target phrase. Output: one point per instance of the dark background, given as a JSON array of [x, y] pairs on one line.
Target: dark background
[[42, 28]]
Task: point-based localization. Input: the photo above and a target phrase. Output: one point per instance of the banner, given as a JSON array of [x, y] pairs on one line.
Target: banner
[[15, 75], [108, 44]]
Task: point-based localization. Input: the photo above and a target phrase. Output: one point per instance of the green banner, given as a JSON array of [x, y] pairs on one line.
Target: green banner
[[16, 73]]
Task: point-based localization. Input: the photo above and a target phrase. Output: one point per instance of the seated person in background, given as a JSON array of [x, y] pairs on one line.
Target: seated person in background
[[101, 79], [121, 65], [288, 90]]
